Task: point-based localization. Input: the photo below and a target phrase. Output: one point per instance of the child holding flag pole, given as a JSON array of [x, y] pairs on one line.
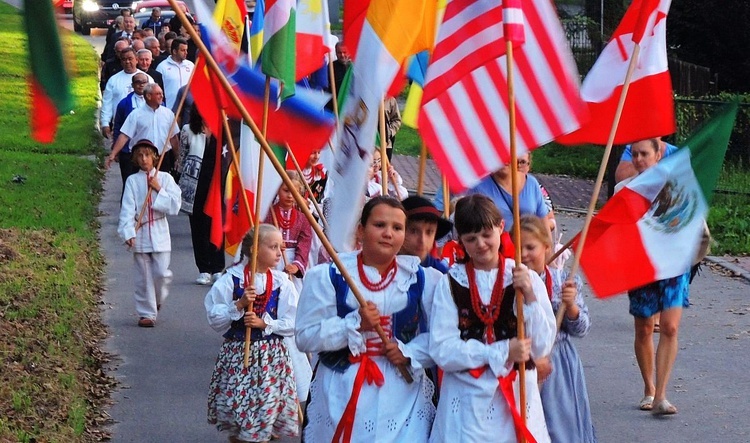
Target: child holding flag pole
[[211, 62]]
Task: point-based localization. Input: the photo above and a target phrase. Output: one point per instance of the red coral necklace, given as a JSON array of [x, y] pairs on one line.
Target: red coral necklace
[[388, 276], [260, 299], [285, 223], [488, 313]]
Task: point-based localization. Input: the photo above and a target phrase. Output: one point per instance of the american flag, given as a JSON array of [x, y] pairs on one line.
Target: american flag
[[464, 117]]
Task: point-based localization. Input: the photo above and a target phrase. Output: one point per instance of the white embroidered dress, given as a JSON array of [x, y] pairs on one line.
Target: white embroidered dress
[[474, 409], [397, 411]]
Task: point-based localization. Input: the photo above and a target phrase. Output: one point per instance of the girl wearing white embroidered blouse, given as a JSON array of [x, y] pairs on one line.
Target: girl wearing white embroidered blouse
[[358, 394], [473, 336]]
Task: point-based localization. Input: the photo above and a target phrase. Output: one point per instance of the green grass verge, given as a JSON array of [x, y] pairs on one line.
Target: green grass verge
[[76, 134], [52, 385]]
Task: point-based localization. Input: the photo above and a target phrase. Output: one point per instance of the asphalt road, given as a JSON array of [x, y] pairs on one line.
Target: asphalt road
[[164, 372]]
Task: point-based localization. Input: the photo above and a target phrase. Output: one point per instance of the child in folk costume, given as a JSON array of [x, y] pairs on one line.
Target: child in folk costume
[[563, 385], [316, 175], [295, 229], [358, 393], [146, 232], [255, 402], [375, 186], [473, 336]]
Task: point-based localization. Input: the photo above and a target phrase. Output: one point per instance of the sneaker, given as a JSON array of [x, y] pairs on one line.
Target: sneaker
[[216, 276], [204, 278]]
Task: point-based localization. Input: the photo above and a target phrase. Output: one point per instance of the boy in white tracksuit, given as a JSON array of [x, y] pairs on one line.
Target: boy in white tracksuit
[[149, 240]]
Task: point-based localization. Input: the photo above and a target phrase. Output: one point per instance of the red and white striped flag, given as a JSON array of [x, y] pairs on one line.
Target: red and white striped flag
[[513, 21], [464, 117]]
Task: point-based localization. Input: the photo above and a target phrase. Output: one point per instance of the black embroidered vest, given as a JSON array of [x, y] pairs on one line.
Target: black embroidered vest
[[471, 327]]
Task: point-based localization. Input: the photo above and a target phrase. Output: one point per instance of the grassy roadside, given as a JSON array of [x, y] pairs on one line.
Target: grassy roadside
[[51, 385]]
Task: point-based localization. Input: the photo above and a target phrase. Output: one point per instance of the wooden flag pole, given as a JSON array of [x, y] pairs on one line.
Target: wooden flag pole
[[307, 185], [600, 176], [258, 194], [180, 105], [332, 82], [446, 198], [561, 250], [521, 331], [383, 149], [422, 168], [282, 172]]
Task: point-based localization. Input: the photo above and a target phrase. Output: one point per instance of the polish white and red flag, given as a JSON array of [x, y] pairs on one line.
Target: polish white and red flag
[[464, 116], [649, 105]]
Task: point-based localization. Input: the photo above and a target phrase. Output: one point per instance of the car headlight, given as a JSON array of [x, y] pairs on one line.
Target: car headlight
[[90, 6]]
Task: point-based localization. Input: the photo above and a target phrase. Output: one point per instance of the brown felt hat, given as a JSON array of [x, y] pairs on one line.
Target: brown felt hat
[[145, 143]]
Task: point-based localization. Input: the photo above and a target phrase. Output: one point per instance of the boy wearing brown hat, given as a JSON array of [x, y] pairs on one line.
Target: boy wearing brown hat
[[424, 224], [146, 232]]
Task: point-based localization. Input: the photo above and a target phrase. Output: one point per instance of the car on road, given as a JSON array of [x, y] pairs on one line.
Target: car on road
[[142, 10], [89, 14]]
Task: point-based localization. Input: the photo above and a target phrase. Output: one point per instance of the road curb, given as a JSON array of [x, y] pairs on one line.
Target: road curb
[[729, 266]]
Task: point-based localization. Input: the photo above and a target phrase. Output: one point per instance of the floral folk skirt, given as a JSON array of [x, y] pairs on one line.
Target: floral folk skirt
[[255, 402]]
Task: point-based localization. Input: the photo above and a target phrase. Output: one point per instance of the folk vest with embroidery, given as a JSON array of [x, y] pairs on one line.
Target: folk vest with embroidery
[[237, 329], [405, 324], [471, 327]]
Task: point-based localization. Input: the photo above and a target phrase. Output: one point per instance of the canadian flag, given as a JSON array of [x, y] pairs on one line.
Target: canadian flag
[[649, 105]]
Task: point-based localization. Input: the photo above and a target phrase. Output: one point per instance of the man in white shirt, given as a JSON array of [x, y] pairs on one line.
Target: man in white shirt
[[127, 105], [175, 70], [153, 122], [118, 86]]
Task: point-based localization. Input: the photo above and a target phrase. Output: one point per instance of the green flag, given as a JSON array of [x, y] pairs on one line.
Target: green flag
[[48, 80]]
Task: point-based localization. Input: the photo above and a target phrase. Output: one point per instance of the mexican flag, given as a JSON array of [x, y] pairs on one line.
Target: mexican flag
[[48, 80], [650, 230], [277, 58]]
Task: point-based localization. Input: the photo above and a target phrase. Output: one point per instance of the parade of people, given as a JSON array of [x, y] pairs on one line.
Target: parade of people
[[365, 294]]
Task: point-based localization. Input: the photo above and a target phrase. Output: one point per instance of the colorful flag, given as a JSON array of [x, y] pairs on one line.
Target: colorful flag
[[416, 72], [209, 97], [392, 30], [464, 115], [277, 59], [230, 16], [48, 81], [313, 31], [256, 31], [354, 18], [300, 121], [513, 28], [237, 224], [213, 206], [649, 105], [650, 230]]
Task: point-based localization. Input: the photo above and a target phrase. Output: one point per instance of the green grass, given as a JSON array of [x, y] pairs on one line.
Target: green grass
[[77, 134], [52, 191], [729, 217], [50, 264]]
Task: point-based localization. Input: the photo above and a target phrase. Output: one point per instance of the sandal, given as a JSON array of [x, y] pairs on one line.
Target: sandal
[[647, 403], [664, 407]]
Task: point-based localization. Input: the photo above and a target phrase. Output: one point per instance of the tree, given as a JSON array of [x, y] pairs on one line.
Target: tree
[[713, 33]]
